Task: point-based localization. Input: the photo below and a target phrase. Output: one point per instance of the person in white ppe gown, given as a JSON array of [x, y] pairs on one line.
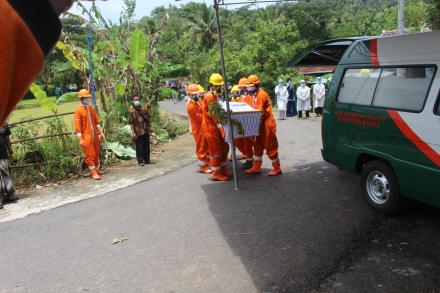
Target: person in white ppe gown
[[318, 96], [281, 94], [303, 99]]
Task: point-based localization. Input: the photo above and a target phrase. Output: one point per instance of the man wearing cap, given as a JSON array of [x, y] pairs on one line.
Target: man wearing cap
[[213, 130], [194, 108], [89, 132], [245, 144], [267, 138]]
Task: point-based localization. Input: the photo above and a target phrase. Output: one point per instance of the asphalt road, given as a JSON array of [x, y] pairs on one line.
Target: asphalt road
[[307, 230]]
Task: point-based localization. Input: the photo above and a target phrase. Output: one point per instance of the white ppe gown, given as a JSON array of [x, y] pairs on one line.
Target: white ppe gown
[[318, 95], [282, 94], [303, 99]]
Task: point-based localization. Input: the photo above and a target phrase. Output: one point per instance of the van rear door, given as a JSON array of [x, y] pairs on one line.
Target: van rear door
[[322, 57]]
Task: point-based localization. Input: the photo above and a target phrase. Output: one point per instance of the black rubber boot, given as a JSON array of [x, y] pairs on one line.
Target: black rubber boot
[[246, 165], [12, 199]]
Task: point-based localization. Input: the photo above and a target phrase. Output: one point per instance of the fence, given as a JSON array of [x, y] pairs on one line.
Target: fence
[[12, 125]]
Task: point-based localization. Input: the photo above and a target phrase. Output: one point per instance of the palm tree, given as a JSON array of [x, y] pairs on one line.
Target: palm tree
[[201, 23]]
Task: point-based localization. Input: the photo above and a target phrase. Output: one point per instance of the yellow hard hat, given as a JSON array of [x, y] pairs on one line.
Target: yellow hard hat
[[201, 89], [365, 71], [234, 89], [216, 79]]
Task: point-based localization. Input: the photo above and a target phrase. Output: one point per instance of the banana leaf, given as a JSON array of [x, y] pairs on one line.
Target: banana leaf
[[42, 98], [68, 97], [138, 50], [119, 150]]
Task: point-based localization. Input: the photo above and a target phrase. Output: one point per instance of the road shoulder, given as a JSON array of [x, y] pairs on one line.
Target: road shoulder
[[174, 155]]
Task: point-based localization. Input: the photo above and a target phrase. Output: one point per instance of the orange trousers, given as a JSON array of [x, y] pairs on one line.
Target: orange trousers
[[91, 152], [217, 147], [267, 140], [245, 146], [201, 146]]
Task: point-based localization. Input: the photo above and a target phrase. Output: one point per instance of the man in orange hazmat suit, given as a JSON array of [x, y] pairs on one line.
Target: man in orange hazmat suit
[[28, 30], [89, 131], [195, 114], [245, 145], [213, 130], [267, 139]]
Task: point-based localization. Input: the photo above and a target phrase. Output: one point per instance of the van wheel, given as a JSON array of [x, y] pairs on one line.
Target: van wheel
[[380, 189]]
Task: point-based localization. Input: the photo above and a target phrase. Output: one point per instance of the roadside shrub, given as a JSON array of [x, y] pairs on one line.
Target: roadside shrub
[[51, 159], [45, 159]]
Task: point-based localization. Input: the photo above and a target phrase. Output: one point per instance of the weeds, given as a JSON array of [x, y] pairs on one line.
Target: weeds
[[57, 158], [46, 159]]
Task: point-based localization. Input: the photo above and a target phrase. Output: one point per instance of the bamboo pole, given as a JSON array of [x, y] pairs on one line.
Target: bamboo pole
[[39, 118]]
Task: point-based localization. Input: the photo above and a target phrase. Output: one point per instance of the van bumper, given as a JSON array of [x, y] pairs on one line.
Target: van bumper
[[323, 153]]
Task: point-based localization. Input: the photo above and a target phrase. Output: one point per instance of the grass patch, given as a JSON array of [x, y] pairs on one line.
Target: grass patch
[[24, 114], [58, 158]]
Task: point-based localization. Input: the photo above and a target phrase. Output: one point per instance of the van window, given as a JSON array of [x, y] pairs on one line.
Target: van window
[[358, 86], [403, 88], [437, 111]]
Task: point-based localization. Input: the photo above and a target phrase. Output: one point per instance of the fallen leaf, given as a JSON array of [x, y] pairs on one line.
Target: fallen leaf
[[118, 240]]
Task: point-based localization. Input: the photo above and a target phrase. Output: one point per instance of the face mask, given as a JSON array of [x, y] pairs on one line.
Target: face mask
[[242, 92], [86, 101], [136, 103], [252, 89], [303, 85], [218, 90]]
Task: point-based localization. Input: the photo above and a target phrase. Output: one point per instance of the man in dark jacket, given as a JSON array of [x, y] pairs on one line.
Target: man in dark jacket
[[291, 100], [139, 120], [7, 190]]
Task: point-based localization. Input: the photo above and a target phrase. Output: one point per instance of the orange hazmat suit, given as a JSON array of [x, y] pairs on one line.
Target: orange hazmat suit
[[213, 131], [245, 145], [87, 127], [267, 139], [195, 114]]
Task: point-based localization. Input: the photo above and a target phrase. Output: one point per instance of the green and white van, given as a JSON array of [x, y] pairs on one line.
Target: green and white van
[[382, 118]]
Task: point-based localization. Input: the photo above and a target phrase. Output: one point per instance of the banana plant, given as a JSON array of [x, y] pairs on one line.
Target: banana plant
[[138, 50], [42, 98]]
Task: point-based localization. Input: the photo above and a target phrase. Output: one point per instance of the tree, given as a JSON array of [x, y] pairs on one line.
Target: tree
[[201, 23]]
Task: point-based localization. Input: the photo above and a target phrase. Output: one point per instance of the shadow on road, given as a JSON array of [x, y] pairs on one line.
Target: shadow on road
[[294, 232], [291, 230]]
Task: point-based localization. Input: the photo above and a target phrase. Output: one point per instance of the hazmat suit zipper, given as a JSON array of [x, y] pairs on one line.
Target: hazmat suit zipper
[[90, 122]]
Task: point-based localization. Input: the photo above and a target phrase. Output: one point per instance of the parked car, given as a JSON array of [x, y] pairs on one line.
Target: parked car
[[382, 118]]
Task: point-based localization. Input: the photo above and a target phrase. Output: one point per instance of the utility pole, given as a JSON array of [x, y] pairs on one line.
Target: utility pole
[[217, 4], [90, 49], [225, 87], [401, 18]]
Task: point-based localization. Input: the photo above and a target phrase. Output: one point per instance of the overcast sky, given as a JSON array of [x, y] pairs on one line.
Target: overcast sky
[[111, 9]]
